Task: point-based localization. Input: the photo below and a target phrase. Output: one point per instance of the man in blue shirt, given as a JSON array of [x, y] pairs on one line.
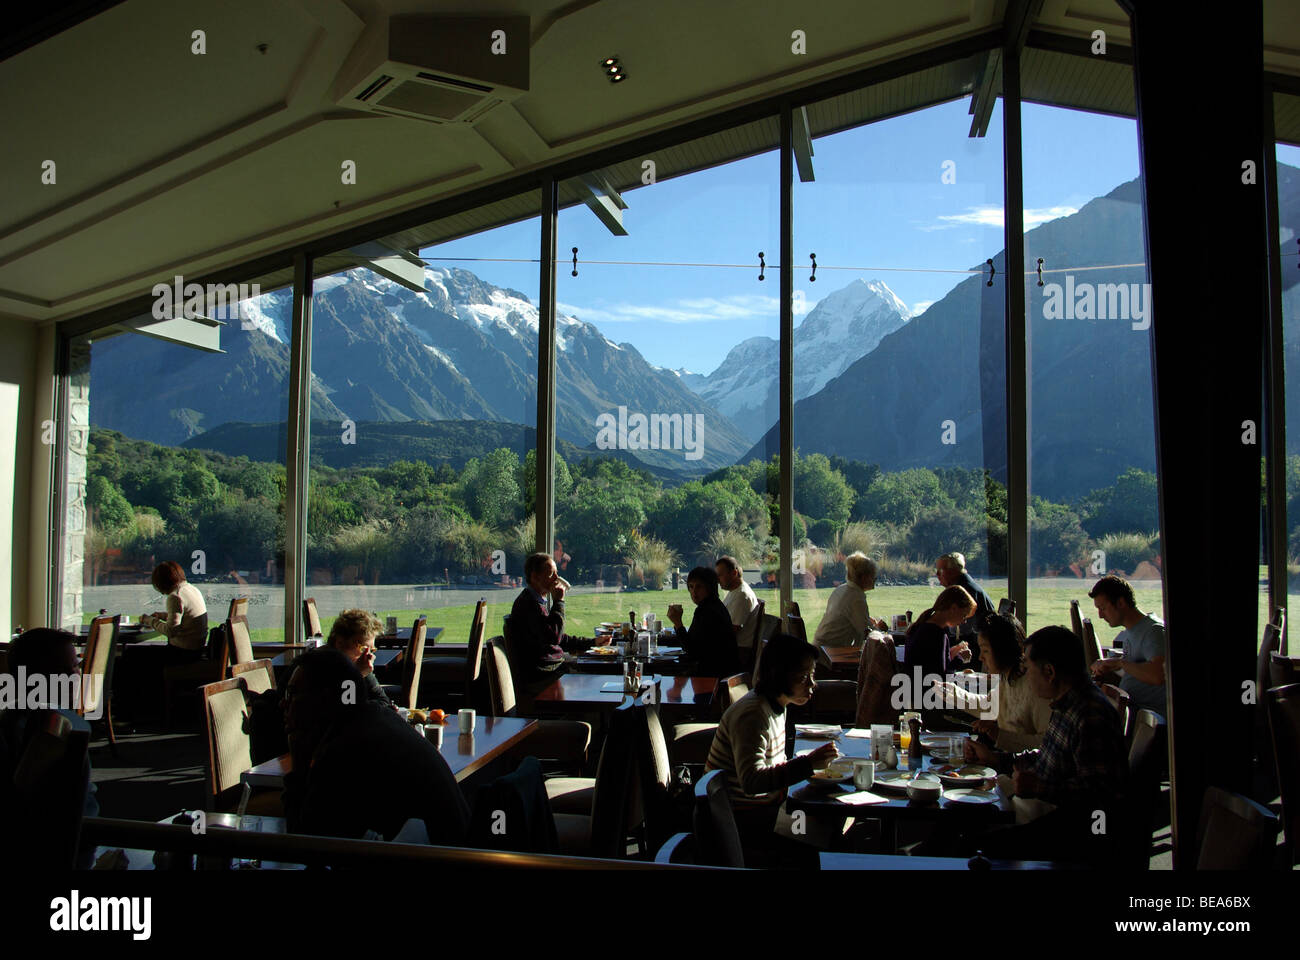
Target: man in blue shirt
[[1143, 640]]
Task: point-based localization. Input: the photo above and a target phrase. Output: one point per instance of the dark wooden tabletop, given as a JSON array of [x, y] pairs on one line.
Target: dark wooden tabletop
[[874, 861], [464, 753]]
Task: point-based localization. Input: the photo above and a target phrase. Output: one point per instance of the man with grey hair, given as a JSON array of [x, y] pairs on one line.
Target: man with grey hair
[[740, 600], [847, 618], [951, 570]]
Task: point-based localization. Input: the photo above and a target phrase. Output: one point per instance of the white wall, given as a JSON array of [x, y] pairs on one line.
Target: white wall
[[19, 432]]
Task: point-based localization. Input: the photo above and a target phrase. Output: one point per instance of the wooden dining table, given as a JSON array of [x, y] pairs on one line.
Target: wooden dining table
[[824, 800], [465, 753]]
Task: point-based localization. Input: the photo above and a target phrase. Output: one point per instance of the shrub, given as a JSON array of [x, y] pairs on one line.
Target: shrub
[[938, 531], [825, 532], [901, 570], [860, 536], [650, 560], [1124, 551], [736, 542]]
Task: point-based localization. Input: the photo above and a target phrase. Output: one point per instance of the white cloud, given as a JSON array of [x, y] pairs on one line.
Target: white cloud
[[691, 310], [920, 307], [989, 216]]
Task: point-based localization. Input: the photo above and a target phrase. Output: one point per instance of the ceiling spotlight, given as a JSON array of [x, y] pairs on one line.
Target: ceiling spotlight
[[613, 69]]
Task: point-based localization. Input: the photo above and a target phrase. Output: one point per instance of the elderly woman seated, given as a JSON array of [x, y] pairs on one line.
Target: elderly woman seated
[[847, 618]]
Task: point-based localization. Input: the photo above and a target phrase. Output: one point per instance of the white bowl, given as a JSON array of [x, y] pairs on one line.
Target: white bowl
[[924, 790]]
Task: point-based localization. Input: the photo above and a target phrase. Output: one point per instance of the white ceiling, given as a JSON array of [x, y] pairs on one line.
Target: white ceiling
[[171, 163]]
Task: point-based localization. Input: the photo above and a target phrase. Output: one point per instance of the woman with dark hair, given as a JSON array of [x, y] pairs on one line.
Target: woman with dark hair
[[185, 623], [1012, 716], [750, 741]]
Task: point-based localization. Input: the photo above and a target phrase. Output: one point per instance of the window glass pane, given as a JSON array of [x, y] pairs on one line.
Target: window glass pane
[[1092, 456], [667, 377], [423, 409], [1288, 196], [900, 414], [177, 453]]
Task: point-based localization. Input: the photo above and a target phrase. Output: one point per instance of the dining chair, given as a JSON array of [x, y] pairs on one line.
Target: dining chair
[[186, 678], [1282, 670], [1146, 763], [1007, 607], [1091, 649], [655, 773], [48, 795], [1279, 620], [241, 641], [833, 701], [228, 717], [96, 695], [615, 812], [1269, 645], [877, 665], [311, 619], [1284, 723], [258, 675], [456, 676], [717, 838], [238, 608], [794, 626], [1119, 699], [564, 741], [1076, 619], [679, 848], [749, 639], [1235, 833], [413, 663]]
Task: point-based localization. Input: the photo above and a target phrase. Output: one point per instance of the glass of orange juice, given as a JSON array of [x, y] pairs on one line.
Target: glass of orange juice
[[904, 733]]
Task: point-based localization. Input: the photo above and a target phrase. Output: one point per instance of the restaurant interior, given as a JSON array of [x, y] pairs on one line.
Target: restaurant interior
[[339, 310]]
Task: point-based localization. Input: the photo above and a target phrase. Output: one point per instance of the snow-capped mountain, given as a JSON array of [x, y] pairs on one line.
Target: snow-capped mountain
[[460, 349], [845, 326]]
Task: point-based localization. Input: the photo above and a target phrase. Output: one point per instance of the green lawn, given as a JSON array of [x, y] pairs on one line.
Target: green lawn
[[1047, 605]]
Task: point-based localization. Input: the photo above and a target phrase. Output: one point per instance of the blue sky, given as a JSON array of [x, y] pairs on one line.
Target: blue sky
[[878, 207]]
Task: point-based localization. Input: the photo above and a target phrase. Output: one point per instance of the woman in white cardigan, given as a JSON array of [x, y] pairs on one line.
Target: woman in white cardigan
[[1012, 716], [847, 618]]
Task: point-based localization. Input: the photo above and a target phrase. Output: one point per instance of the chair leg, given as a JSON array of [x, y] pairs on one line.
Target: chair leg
[[108, 721]]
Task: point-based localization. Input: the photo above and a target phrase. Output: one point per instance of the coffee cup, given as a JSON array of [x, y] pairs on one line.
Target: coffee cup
[[466, 718], [864, 774]]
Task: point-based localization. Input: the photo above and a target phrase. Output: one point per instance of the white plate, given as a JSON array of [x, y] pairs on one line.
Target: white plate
[[896, 781], [828, 731], [964, 795], [838, 772], [968, 775]]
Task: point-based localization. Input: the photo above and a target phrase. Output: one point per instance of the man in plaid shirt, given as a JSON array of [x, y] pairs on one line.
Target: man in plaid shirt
[[1081, 767], [1082, 758]]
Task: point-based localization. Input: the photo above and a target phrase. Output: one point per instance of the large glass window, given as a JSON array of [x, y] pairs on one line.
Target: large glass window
[[899, 357], [423, 415], [1288, 198], [667, 376], [177, 453], [1092, 455]]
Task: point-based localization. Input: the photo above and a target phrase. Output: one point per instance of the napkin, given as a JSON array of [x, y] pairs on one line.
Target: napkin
[[861, 797], [858, 733]]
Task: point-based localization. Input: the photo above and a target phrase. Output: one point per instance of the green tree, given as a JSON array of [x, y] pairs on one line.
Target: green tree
[[820, 491], [899, 498], [1129, 506], [491, 488], [598, 522], [1056, 538], [114, 515]]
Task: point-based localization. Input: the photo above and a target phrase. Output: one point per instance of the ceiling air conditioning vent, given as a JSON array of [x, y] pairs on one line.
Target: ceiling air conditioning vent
[[437, 69]]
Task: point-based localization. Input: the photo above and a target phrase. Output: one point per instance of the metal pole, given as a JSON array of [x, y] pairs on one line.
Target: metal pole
[[1018, 412], [545, 506], [787, 356], [1275, 383], [298, 434]]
